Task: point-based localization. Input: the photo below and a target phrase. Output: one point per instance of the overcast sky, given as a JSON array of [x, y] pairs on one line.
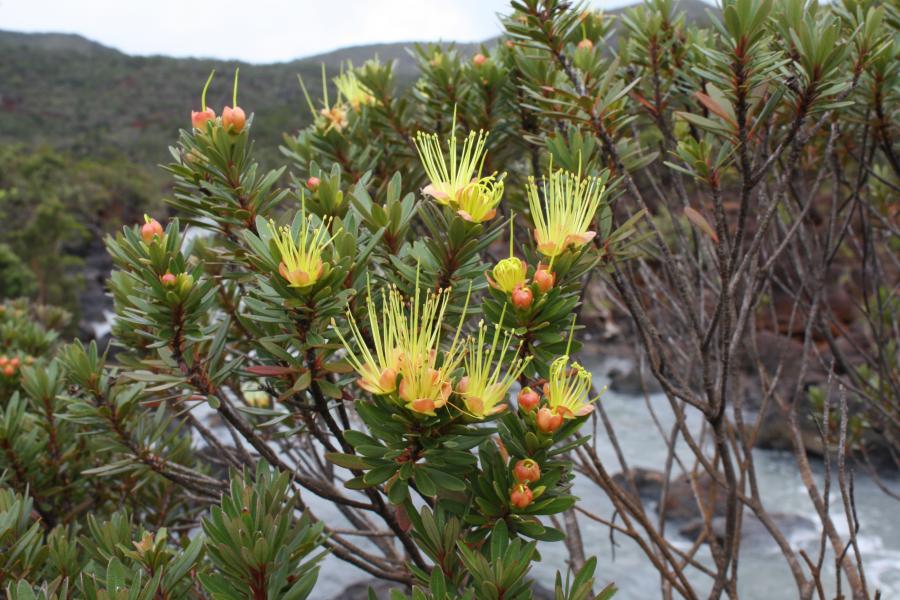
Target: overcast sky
[[258, 30]]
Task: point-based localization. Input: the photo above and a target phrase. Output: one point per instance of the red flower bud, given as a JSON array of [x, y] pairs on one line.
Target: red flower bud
[[200, 118], [9, 370], [168, 279], [547, 421], [151, 230], [521, 496], [522, 297], [313, 183], [527, 471], [233, 119], [528, 399], [14, 362], [585, 44], [479, 59], [544, 279]]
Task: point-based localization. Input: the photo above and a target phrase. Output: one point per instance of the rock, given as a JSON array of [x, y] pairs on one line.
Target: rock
[[633, 383], [648, 482], [752, 529], [682, 505]]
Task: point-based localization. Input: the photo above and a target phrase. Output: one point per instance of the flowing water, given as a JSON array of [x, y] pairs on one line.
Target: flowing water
[[762, 571]]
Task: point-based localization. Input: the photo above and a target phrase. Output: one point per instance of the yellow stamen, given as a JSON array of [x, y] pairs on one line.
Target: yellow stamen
[[564, 219], [486, 386], [354, 91], [301, 257]]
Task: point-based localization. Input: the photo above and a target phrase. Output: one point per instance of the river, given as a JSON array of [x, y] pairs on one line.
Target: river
[[763, 574]]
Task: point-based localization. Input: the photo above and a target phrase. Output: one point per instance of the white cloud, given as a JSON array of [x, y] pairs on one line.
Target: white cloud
[[257, 30]]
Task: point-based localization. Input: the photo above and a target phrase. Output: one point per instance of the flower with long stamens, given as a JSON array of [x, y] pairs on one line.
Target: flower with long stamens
[[459, 184], [425, 384], [379, 367], [485, 387], [405, 346], [478, 201], [353, 90], [567, 389], [563, 219], [301, 247]]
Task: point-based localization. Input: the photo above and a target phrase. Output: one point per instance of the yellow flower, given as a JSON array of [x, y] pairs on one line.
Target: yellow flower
[[509, 274], [478, 201], [335, 117], [377, 368], [459, 184], [425, 384], [301, 247], [564, 219], [355, 92], [254, 395], [485, 387], [407, 346], [567, 389]]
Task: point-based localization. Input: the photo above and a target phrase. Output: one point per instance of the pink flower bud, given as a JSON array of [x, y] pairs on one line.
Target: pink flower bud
[[527, 471], [585, 44], [313, 183], [528, 399], [479, 59], [521, 496], [151, 230], [233, 119], [168, 279], [547, 421], [544, 279], [522, 297], [9, 370], [200, 118]]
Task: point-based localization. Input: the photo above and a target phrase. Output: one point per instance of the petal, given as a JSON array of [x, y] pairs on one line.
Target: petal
[[475, 405], [438, 195], [423, 405], [550, 249], [580, 239], [466, 216], [584, 410]]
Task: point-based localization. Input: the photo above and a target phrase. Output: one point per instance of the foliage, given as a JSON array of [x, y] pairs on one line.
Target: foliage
[[361, 318], [52, 208]]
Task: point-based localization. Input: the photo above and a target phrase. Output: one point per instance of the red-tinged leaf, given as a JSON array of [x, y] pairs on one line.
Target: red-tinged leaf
[[270, 370], [643, 101], [403, 518], [715, 108], [697, 219]]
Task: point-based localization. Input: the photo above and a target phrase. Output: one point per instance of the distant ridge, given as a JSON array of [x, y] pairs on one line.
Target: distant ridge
[[71, 93]]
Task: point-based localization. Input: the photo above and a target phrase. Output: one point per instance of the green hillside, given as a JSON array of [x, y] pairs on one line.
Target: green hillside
[[79, 96]]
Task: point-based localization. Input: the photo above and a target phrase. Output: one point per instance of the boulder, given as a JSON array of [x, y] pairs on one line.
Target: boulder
[[682, 505], [752, 529], [647, 481], [632, 382]]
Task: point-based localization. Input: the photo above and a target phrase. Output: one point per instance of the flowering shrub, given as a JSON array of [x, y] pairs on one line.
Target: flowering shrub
[[389, 326]]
